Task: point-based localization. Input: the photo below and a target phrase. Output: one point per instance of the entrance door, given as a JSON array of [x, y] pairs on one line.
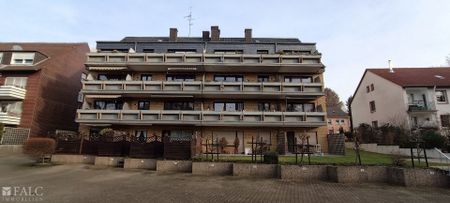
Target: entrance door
[[290, 140]]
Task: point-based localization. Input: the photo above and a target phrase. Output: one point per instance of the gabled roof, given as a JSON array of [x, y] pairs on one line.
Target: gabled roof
[[336, 112], [416, 77]]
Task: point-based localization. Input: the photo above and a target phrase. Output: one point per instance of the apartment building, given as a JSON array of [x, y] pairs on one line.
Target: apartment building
[[338, 120], [206, 88], [411, 97], [39, 85]]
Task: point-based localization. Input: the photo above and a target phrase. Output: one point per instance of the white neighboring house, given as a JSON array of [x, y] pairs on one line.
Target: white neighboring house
[[412, 97]]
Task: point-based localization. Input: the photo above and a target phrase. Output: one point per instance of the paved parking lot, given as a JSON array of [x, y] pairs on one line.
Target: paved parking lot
[[81, 183]]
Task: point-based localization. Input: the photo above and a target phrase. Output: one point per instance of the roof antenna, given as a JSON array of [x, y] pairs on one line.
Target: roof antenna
[[190, 19], [391, 70]]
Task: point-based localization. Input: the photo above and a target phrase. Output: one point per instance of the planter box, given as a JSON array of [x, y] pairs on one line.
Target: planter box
[[307, 173], [140, 163], [357, 174], [256, 170], [108, 161], [212, 168], [174, 166], [73, 159], [417, 177]]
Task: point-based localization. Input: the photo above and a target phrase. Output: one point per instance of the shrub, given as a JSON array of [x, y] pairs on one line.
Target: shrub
[[433, 139], [271, 158], [39, 147]]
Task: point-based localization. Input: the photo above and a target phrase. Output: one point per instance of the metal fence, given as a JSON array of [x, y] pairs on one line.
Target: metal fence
[[15, 136]]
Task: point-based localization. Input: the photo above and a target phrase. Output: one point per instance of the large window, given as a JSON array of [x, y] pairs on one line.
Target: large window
[[264, 106], [228, 106], [111, 77], [228, 78], [298, 79], [146, 77], [22, 58], [108, 105], [180, 78], [144, 105], [141, 135], [263, 78], [16, 81], [300, 107], [372, 106], [179, 105], [182, 51], [441, 96]]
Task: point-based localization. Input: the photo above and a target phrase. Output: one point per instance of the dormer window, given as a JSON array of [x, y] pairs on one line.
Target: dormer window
[[22, 58]]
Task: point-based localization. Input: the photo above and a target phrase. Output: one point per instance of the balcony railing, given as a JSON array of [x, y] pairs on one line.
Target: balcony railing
[[198, 87], [200, 59], [202, 118], [420, 105], [9, 118], [12, 93]]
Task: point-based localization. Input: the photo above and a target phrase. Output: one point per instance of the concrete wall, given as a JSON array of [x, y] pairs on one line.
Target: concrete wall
[[212, 168], [357, 174], [394, 149], [72, 159], [108, 161], [140, 163], [256, 170], [307, 173], [10, 149], [390, 105], [173, 166]]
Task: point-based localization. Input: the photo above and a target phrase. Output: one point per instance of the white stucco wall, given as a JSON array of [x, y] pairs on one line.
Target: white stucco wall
[[390, 101], [442, 108]]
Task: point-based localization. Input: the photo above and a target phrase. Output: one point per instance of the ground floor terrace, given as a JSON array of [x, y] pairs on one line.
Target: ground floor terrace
[[220, 140]]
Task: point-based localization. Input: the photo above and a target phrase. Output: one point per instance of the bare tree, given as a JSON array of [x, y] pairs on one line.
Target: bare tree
[[332, 98]]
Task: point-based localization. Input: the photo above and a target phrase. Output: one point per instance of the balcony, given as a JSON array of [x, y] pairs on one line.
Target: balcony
[[421, 106], [12, 93], [206, 62], [204, 89], [9, 118], [201, 118]]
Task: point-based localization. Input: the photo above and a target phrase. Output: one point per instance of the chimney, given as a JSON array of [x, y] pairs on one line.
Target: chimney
[[215, 33], [248, 35], [391, 70], [205, 35], [173, 34]]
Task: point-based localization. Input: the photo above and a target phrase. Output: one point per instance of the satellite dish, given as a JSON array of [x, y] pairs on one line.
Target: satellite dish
[[17, 48]]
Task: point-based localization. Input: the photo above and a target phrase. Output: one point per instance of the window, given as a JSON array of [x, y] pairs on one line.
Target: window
[[108, 105], [367, 89], [264, 106], [179, 105], [262, 51], [372, 87], [22, 58], [263, 78], [16, 81], [182, 51], [298, 79], [148, 50], [337, 122], [111, 77], [228, 78], [144, 105], [141, 135], [228, 106], [83, 76], [329, 121], [146, 77], [375, 124], [300, 107], [295, 52], [1, 57], [441, 96], [445, 120], [180, 78], [372, 106], [342, 122], [222, 51], [13, 109]]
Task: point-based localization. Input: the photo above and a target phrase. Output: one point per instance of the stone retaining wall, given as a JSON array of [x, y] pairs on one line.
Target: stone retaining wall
[[212, 168], [72, 159], [307, 173], [357, 174], [108, 161], [256, 170], [173, 166], [417, 177], [140, 163]]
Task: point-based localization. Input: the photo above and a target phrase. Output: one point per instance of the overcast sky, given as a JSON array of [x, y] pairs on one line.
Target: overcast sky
[[351, 35]]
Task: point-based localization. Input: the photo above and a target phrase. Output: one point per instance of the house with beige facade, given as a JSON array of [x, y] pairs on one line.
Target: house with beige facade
[[207, 88], [338, 121], [410, 97]]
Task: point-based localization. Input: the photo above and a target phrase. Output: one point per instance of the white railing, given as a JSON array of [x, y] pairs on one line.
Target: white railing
[[443, 158], [201, 117], [12, 92], [201, 59], [202, 87], [9, 118]]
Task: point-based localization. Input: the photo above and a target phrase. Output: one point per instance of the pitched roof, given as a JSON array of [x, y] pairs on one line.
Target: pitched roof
[[416, 77], [335, 112]]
